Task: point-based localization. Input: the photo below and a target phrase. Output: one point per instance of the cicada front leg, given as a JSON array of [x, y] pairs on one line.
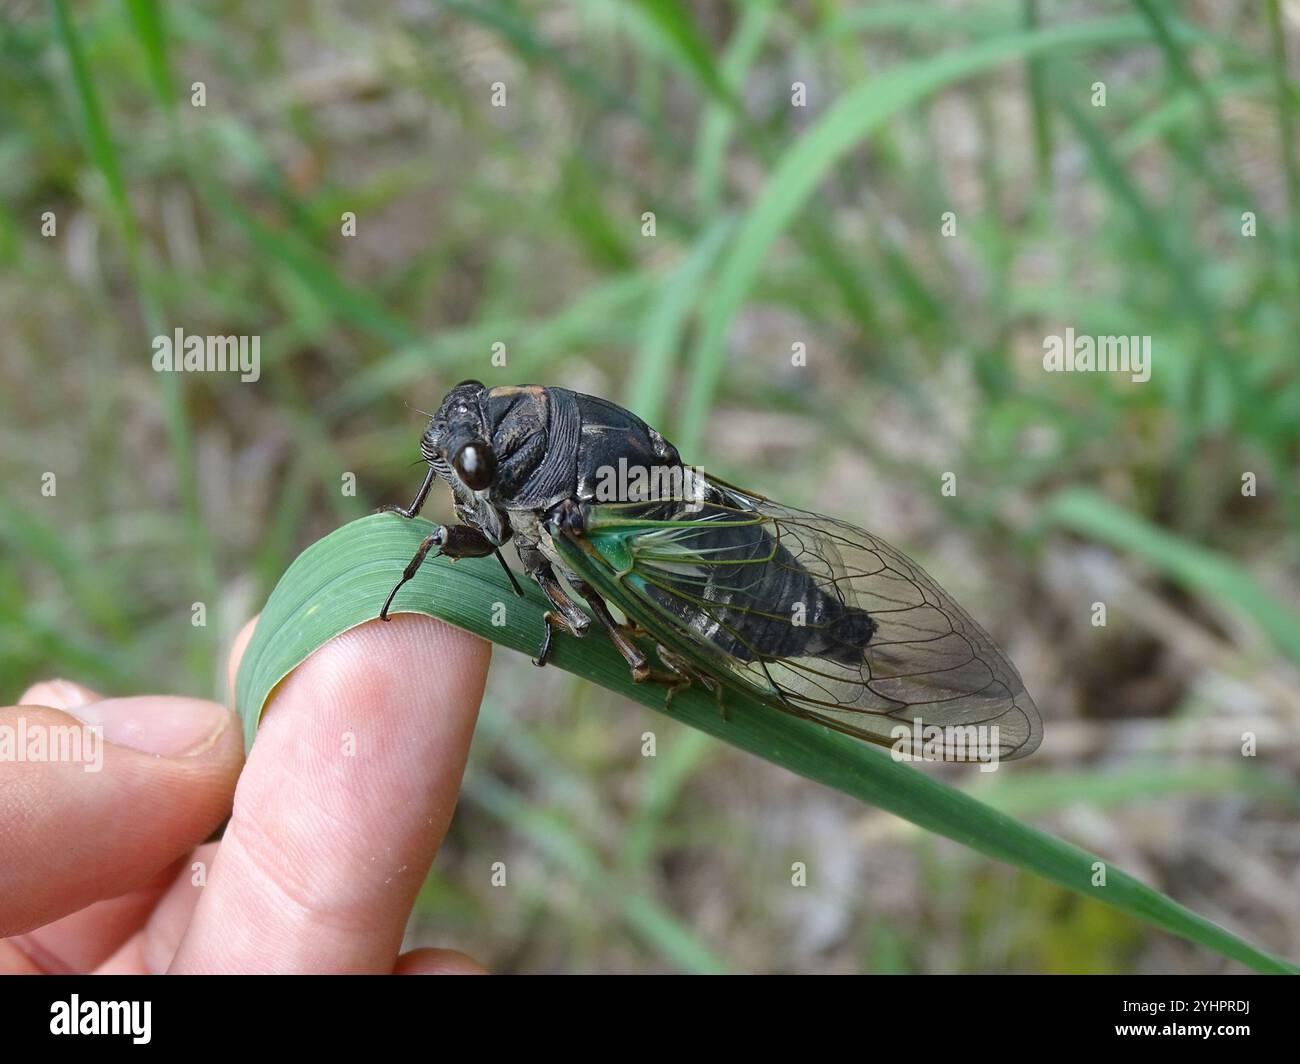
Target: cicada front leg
[[409, 512], [453, 541]]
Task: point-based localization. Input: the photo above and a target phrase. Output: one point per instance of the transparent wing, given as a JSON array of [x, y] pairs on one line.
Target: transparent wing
[[821, 618]]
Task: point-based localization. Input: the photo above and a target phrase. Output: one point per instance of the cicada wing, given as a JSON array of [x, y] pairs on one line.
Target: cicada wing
[[820, 618]]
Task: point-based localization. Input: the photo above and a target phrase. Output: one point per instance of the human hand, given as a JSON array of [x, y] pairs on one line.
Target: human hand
[[325, 851]]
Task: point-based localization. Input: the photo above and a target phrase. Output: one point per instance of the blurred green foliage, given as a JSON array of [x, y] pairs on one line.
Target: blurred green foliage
[[774, 224]]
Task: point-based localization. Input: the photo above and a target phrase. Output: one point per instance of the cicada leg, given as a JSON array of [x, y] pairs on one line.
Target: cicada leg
[[453, 541], [409, 512], [620, 634], [679, 666], [565, 614], [436, 538], [678, 674]]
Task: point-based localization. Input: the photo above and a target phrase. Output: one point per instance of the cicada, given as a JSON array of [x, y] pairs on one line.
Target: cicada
[[812, 616]]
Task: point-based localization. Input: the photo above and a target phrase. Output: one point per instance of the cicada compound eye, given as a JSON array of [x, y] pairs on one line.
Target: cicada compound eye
[[476, 465]]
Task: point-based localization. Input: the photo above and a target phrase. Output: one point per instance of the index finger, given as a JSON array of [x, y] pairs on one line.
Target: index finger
[[345, 799]]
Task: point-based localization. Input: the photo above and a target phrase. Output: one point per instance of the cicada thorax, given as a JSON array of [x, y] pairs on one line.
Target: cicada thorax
[[552, 444]]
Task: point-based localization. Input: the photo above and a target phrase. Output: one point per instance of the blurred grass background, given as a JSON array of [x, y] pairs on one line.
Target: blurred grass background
[[774, 225]]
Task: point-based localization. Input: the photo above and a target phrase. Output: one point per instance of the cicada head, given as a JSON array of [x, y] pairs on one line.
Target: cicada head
[[457, 445]]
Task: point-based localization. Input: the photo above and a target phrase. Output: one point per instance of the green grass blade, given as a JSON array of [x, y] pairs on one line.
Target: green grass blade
[[1036, 791], [99, 141], [104, 154], [718, 120], [150, 25], [349, 303], [340, 582], [1180, 65], [800, 170], [1199, 570], [681, 40], [533, 48], [649, 920], [1036, 84], [1285, 122], [665, 324]]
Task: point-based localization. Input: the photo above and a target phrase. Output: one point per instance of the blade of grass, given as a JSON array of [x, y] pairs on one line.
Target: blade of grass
[[1202, 571], [859, 112], [103, 153], [666, 776], [340, 581], [1162, 233], [671, 23], [1285, 123], [718, 121], [662, 931], [516, 31], [99, 142], [664, 324], [1038, 791], [149, 22], [1182, 69], [1036, 83], [350, 304]]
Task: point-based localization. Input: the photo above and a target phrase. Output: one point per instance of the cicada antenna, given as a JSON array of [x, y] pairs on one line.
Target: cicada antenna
[[416, 409]]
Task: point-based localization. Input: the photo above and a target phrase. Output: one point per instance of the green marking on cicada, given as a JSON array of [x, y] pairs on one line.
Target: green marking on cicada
[[616, 549]]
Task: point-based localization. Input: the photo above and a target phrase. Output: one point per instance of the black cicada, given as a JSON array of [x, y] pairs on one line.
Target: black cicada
[[814, 616]]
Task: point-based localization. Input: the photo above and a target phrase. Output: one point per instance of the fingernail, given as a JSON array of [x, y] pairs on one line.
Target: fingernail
[[59, 694], [157, 724]]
